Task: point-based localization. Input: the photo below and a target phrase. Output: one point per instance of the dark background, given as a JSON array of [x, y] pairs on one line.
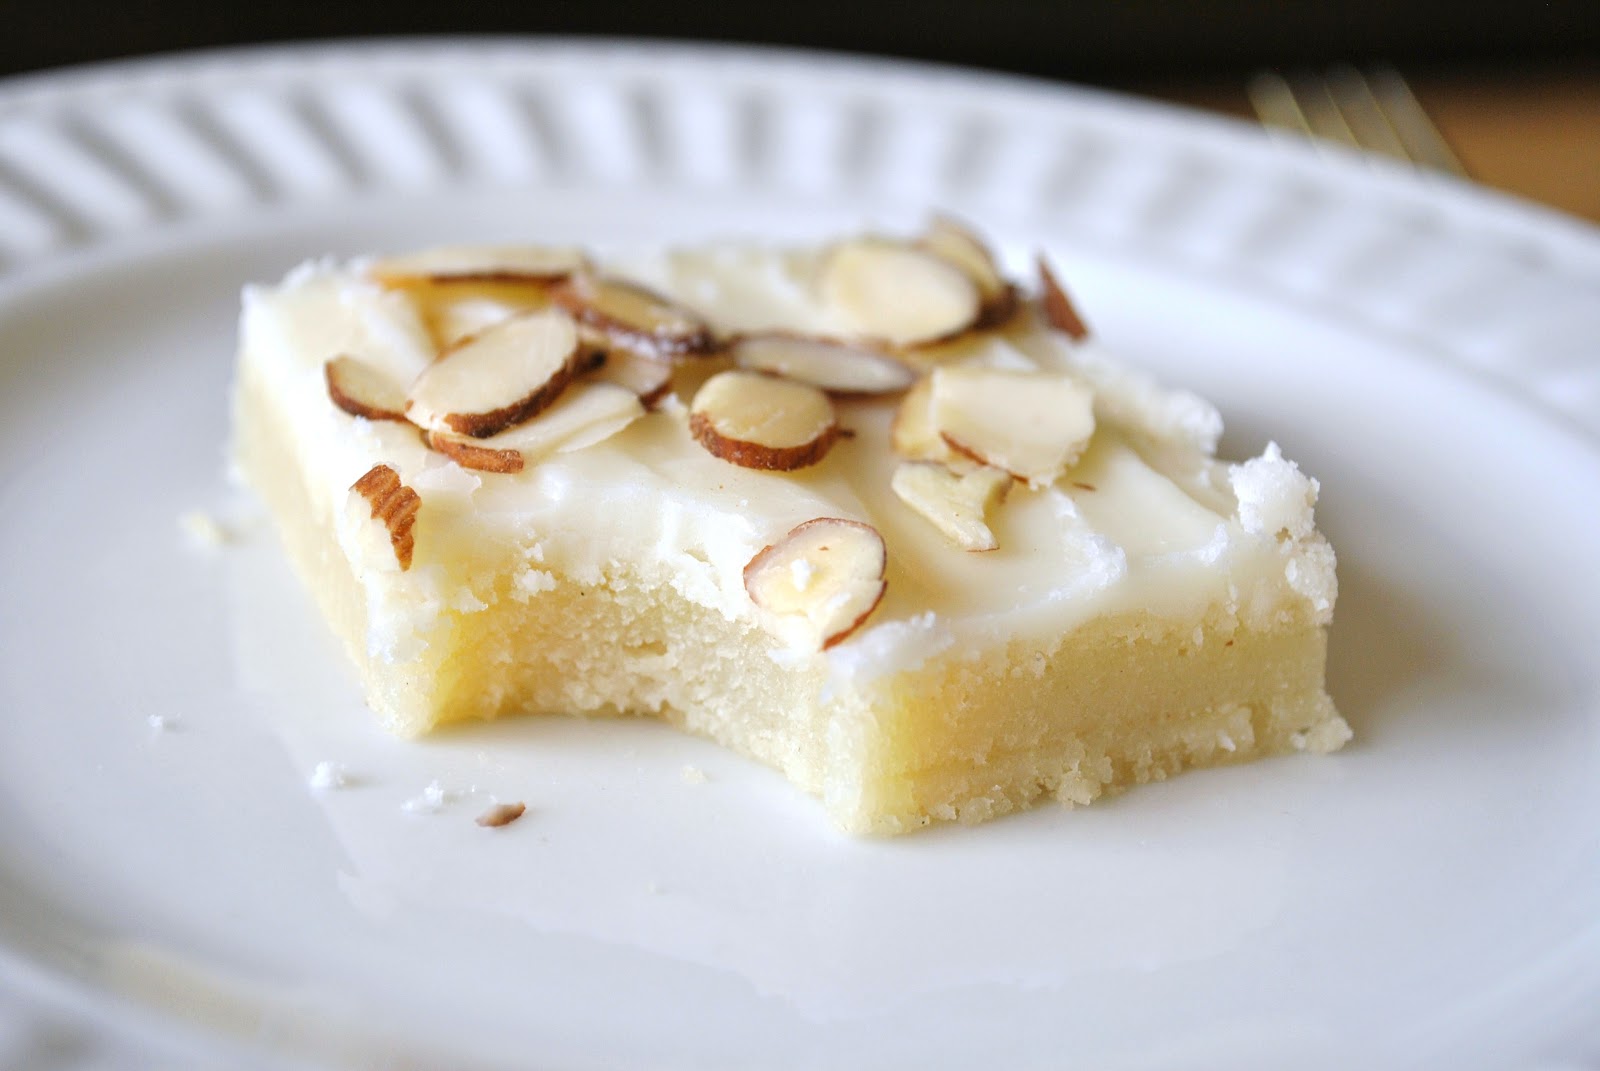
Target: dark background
[[1125, 44]]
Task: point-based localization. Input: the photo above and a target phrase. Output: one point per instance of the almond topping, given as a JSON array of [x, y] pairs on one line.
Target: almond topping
[[501, 814], [1058, 308], [836, 367], [478, 264], [897, 292], [820, 581], [470, 455], [1031, 424], [635, 317], [586, 414], [953, 241], [394, 505], [761, 422], [647, 377], [956, 504], [912, 433], [453, 319], [361, 390], [497, 378]]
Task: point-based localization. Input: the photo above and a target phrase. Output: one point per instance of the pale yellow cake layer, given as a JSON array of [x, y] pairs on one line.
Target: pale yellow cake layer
[[968, 734], [1118, 702]]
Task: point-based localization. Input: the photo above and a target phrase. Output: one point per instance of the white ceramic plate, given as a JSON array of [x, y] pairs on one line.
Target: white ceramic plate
[[178, 897]]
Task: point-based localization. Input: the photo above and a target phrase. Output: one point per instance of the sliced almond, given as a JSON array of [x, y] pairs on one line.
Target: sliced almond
[[501, 814], [955, 503], [898, 292], [393, 505], [455, 320], [586, 414], [362, 390], [647, 377], [635, 317], [761, 422], [956, 243], [497, 378], [820, 581], [479, 264], [912, 433], [1058, 308], [836, 367], [1031, 424], [470, 454]]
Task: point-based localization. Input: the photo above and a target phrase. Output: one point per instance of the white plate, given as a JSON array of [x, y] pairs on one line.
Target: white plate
[[1429, 897]]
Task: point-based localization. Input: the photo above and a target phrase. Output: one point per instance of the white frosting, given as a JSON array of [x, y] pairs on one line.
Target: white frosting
[[1148, 519], [1274, 495]]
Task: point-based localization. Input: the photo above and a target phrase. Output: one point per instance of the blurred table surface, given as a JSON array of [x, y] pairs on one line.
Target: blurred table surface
[[1533, 134]]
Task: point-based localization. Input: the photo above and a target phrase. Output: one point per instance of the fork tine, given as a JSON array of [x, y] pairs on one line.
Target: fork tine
[[1322, 110], [1275, 104], [1364, 114], [1411, 123], [1376, 112], [1305, 106]]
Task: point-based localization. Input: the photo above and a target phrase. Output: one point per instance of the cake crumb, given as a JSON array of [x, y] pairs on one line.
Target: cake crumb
[[694, 775], [202, 531], [501, 814], [653, 888], [329, 777], [431, 800], [162, 723]]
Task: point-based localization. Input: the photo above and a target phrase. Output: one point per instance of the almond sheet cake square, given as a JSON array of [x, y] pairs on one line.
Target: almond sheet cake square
[[868, 512]]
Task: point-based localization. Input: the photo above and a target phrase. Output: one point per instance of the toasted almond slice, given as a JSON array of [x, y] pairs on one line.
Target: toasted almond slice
[[393, 505], [820, 581], [454, 322], [761, 422], [1058, 308], [1031, 424], [647, 377], [589, 413], [912, 433], [479, 264], [836, 367], [457, 311], [501, 814], [471, 454], [497, 378], [898, 292], [586, 414], [955, 503], [955, 242], [635, 317], [362, 390]]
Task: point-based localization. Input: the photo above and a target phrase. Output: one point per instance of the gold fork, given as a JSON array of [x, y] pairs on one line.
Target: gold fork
[[1375, 111]]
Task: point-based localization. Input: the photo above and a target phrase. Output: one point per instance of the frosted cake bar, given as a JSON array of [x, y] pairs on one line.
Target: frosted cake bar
[[868, 512]]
